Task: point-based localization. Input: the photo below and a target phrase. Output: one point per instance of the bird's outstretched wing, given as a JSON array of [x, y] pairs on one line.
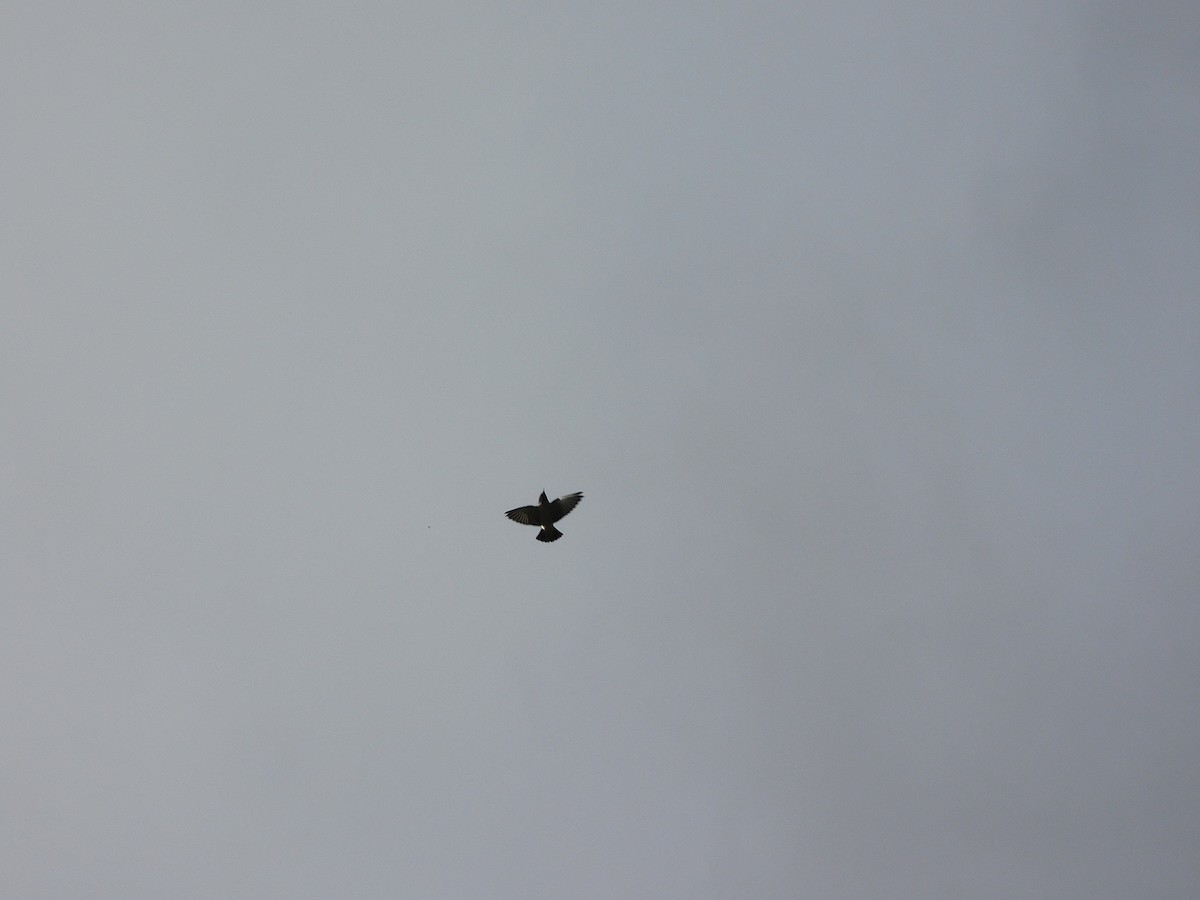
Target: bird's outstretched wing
[[564, 505], [526, 515]]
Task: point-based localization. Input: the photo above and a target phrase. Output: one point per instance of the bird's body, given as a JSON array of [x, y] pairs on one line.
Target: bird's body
[[545, 514]]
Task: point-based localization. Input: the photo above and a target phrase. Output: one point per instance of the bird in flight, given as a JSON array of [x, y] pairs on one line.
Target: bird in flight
[[545, 514]]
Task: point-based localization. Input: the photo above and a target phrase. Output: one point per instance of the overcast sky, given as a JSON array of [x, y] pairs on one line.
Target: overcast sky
[[870, 332]]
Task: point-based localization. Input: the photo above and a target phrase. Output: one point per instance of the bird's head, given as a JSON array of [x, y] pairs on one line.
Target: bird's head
[[543, 499]]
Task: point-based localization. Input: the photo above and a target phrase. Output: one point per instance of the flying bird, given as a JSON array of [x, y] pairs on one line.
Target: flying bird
[[545, 514]]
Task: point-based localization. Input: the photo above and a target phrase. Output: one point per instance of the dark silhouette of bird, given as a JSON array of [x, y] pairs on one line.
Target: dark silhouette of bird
[[545, 514]]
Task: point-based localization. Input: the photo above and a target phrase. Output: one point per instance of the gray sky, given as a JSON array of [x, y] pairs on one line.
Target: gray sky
[[869, 331]]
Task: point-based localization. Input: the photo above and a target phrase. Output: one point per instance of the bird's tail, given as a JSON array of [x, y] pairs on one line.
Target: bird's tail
[[549, 533]]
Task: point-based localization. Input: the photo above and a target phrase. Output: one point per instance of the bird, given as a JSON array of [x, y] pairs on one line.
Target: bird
[[545, 514]]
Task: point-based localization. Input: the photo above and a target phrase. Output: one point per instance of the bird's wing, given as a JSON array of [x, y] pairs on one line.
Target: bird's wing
[[564, 505], [526, 515]]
